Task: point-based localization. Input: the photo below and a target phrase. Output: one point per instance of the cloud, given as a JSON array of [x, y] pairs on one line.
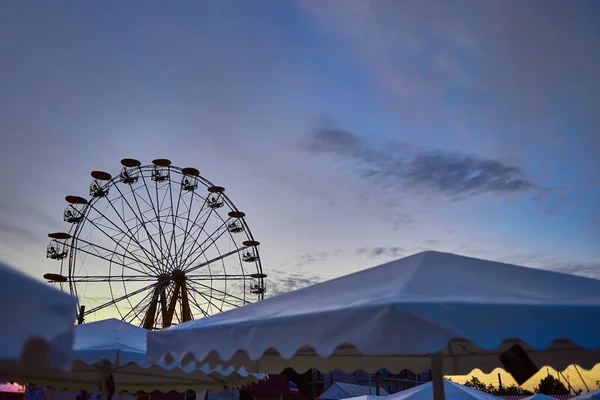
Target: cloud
[[590, 270], [566, 263], [280, 282], [398, 164], [388, 252], [311, 258]]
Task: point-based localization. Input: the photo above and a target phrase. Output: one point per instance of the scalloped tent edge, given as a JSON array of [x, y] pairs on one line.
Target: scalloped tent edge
[[407, 310]]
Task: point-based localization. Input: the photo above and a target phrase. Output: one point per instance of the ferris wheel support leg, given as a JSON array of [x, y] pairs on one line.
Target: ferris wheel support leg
[[81, 315], [185, 304], [151, 313], [168, 319]]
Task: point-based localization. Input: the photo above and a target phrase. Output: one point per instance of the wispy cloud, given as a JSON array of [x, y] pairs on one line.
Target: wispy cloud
[[590, 270], [282, 282], [311, 258], [401, 165], [387, 252]]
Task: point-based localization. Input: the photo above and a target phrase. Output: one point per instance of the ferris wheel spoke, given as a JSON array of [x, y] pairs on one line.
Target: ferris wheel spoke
[[119, 299], [208, 277], [163, 237], [141, 223], [137, 308], [109, 258], [109, 278], [207, 299], [187, 232], [196, 246], [155, 208], [200, 230], [103, 257], [143, 305], [187, 223], [118, 243], [204, 264], [223, 293], [198, 306], [128, 229], [174, 216]]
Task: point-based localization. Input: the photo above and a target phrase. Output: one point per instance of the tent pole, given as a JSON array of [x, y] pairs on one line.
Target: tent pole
[[437, 376], [105, 372]]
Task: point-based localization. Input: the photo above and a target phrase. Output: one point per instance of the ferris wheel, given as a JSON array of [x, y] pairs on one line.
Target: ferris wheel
[[155, 245]]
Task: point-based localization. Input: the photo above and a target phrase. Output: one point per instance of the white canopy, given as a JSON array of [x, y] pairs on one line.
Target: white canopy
[[366, 397], [539, 396], [593, 395], [453, 391], [37, 328], [396, 315], [118, 348]]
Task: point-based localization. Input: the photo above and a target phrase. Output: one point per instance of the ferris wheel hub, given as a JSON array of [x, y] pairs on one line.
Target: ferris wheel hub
[[164, 278], [178, 275]]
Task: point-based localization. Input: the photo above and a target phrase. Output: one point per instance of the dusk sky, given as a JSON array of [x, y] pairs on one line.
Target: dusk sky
[[351, 132]]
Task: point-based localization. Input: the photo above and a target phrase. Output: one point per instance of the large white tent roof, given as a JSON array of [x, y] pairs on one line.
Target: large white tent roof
[[397, 315]]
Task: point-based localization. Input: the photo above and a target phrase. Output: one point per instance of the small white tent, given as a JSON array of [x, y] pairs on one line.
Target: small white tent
[[113, 350], [593, 395], [341, 390], [452, 390], [37, 331]]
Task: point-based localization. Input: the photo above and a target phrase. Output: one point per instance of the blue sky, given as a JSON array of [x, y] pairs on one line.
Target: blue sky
[[350, 132]]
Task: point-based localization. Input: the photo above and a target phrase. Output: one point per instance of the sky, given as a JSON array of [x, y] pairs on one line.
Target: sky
[[350, 132]]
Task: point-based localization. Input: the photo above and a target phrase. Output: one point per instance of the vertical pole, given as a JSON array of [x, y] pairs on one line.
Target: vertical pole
[[80, 318], [370, 385], [499, 381], [582, 380], [568, 383], [437, 376], [106, 382]]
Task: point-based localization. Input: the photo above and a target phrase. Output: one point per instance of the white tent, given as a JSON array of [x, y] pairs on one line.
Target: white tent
[[452, 390], [593, 395], [429, 310], [341, 390], [539, 396], [367, 397], [113, 347], [37, 326]]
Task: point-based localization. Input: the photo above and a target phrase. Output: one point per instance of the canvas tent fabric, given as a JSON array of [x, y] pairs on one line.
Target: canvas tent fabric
[[452, 390], [341, 390], [367, 397], [522, 397], [118, 348], [539, 396], [468, 310], [38, 329], [591, 395]]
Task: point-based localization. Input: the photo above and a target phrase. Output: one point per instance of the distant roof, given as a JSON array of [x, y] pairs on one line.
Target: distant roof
[[339, 390]]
